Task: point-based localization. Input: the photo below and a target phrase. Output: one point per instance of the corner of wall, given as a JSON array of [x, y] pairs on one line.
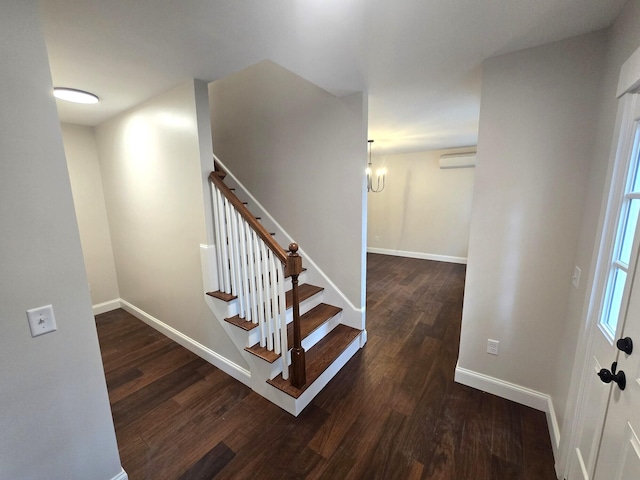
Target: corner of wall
[[203, 118]]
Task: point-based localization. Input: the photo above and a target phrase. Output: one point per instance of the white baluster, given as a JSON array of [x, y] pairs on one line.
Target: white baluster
[[236, 263], [274, 303], [251, 259], [244, 267], [268, 301], [216, 232], [224, 243], [260, 275], [228, 208]]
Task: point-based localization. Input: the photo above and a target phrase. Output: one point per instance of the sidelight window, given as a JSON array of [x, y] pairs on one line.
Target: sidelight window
[[621, 257]]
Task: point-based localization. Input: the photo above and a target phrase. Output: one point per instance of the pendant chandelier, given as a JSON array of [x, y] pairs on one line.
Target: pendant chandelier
[[380, 174]]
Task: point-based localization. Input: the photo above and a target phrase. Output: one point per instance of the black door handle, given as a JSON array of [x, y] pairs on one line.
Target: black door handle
[[625, 345], [611, 376]]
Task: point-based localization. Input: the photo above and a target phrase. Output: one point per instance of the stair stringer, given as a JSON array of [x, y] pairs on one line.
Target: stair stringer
[[221, 310], [260, 370]]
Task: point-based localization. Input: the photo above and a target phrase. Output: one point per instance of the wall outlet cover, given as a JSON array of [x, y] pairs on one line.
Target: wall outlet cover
[[41, 320], [493, 346]]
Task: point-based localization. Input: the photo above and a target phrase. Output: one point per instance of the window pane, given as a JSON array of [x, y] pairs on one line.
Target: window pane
[[628, 229], [634, 163], [615, 301]]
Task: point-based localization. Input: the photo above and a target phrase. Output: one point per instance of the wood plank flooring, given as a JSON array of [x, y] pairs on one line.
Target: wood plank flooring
[[393, 412]]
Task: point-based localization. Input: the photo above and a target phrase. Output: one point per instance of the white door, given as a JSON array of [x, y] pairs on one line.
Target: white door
[[619, 455], [611, 294]]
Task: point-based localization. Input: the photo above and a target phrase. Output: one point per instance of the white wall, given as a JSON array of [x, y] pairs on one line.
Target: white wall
[[423, 211], [302, 153], [55, 417], [151, 168], [91, 212], [535, 146]]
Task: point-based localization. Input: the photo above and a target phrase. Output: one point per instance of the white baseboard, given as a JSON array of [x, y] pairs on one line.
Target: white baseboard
[[105, 307], [121, 476], [423, 256], [236, 371], [516, 393]]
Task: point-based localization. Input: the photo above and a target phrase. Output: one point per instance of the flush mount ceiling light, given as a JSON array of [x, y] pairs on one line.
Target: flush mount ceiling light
[[74, 95]]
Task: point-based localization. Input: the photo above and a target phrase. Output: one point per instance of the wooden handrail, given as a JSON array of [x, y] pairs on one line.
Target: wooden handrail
[[292, 267], [250, 219]]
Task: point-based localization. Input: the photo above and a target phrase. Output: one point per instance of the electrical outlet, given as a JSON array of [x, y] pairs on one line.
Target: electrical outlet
[[377, 238], [41, 320], [492, 346]]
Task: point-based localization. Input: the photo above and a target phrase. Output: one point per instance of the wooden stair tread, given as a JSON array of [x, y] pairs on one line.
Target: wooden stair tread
[[241, 322], [226, 297], [312, 320], [319, 358], [262, 352], [305, 291]]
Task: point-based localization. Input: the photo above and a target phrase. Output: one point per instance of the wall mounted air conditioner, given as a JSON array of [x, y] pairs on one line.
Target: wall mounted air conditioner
[[458, 160]]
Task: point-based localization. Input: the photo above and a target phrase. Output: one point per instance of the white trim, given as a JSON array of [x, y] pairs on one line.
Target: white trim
[[629, 79], [554, 427], [209, 262], [363, 338], [236, 371], [121, 476], [423, 256], [105, 307], [583, 467], [516, 393]]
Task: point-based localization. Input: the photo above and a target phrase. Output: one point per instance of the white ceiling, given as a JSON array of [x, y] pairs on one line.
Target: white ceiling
[[419, 60]]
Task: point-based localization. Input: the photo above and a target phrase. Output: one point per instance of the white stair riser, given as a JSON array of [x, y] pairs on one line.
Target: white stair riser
[[305, 306], [264, 370], [319, 333]]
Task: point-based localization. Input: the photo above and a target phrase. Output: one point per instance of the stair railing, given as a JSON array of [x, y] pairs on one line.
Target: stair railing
[[253, 267]]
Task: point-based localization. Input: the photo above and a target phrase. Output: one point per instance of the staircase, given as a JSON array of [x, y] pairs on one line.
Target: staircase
[[293, 342]]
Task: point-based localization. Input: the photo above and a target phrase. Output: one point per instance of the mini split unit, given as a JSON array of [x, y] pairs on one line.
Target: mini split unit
[[458, 160]]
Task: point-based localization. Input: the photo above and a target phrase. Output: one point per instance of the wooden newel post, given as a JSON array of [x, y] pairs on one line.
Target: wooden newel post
[[298, 370]]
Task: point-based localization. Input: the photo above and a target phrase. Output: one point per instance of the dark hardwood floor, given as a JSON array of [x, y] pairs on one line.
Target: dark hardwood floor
[[393, 412]]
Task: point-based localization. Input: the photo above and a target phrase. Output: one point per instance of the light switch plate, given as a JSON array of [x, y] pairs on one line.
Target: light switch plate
[[576, 277], [41, 320]]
